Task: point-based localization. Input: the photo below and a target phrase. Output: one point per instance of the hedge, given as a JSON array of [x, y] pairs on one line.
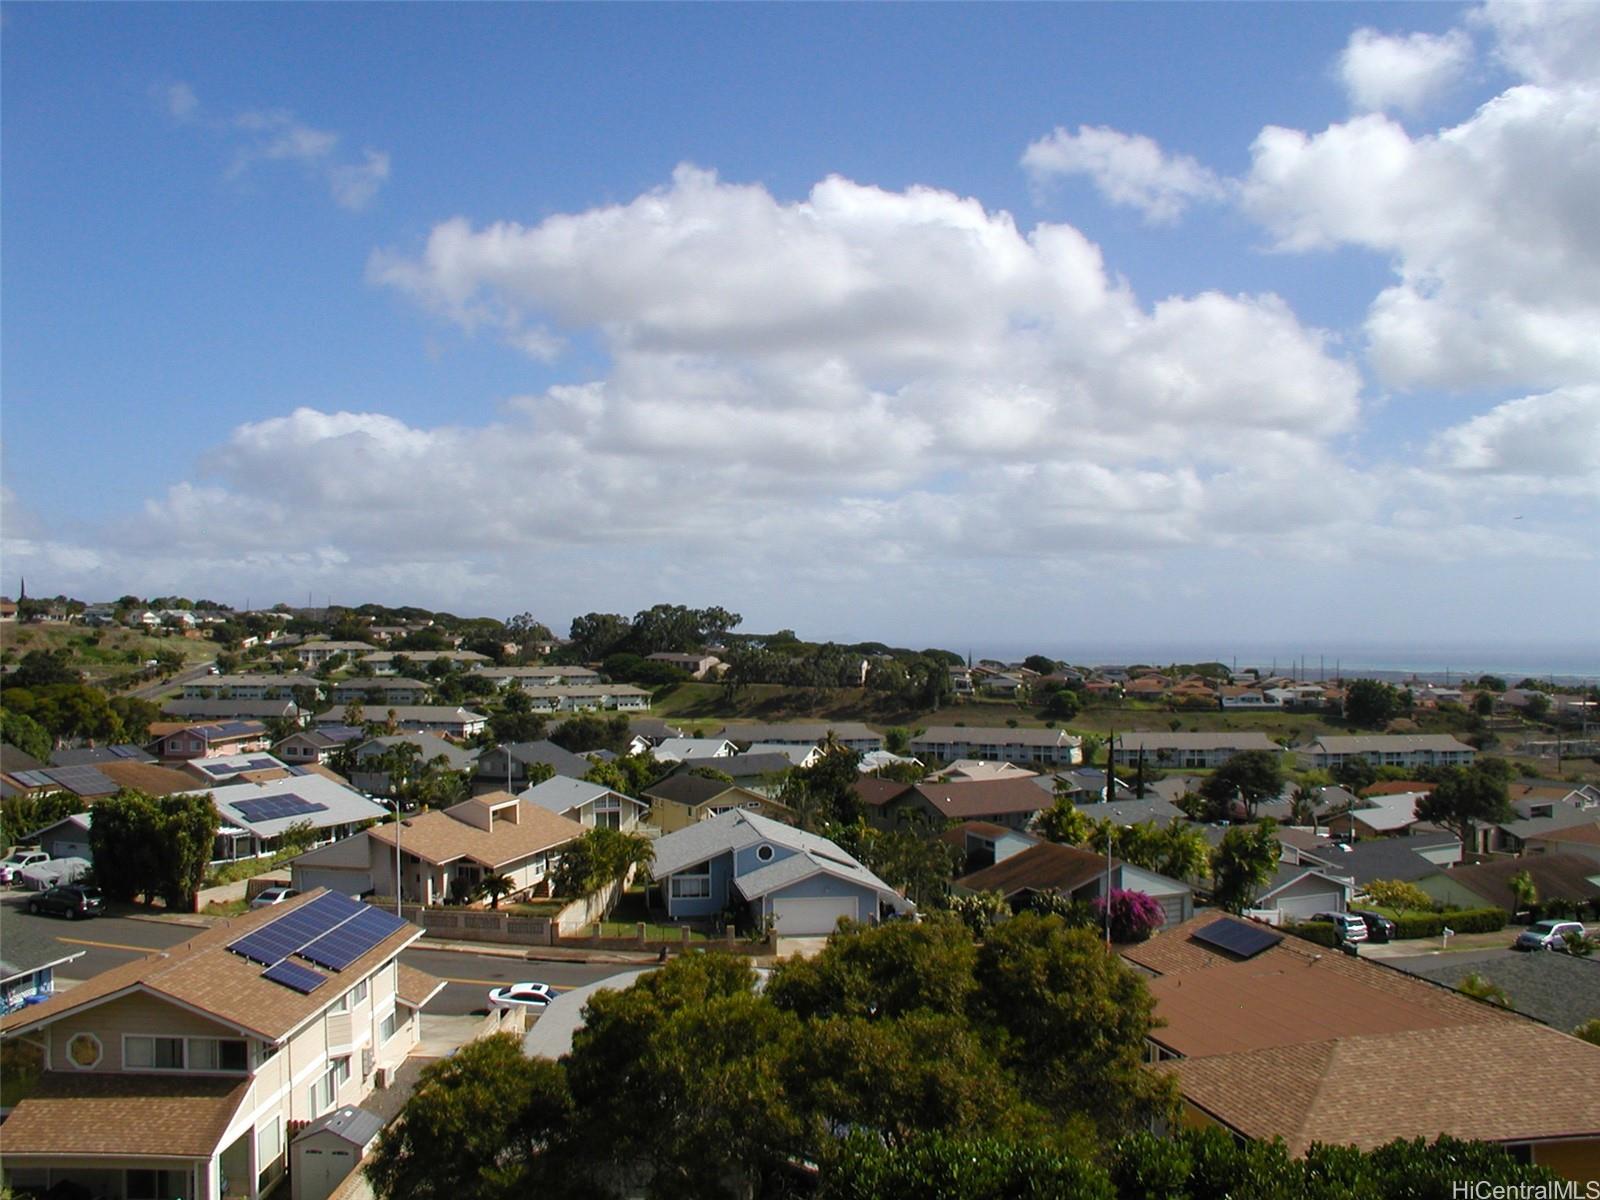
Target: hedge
[[1323, 933], [1467, 920]]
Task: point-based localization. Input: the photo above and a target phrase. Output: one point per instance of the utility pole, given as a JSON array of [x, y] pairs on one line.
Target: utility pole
[[398, 886]]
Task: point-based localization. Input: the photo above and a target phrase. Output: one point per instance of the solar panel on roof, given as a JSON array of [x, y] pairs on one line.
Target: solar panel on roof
[[341, 947], [33, 779], [279, 938], [291, 974], [1236, 937], [275, 808], [85, 780]]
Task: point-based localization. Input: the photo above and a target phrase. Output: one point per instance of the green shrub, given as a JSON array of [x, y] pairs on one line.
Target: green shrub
[[1322, 933], [1467, 920]]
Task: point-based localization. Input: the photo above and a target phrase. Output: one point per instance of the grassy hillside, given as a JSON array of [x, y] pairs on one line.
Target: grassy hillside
[[101, 654]]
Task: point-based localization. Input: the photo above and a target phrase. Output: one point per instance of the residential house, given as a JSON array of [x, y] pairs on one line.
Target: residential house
[[444, 853], [83, 756], [1330, 752], [382, 662], [1014, 803], [380, 691], [1189, 750], [366, 776], [1127, 810], [581, 697], [1297, 892], [592, 805], [1249, 699], [1084, 785], [250, 687], [1581, 839], [1403, 859], [235, 710], [682, 749], [950, 742], [66, 838], [255, 816], [679, 801], [798, 756], [760, 773], [804, 884], [183, 1075], [983, 843], [697, 665], [534, 677], [452, 722], [1559, 876], [1380, 814], [1562, 990], [1539, 811], [237, 768], [1078, 875], [94, 782], [28, 963], [316, 654], [508, 768], [852, 735], [965, 770], [317, 745], [1270, 1036], [179, 741]]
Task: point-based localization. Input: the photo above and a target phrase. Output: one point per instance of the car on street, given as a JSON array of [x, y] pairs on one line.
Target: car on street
[[1548, 935], [521, 995], [14, 863], [273, 895], [72, 900], [1379, 927], [1351, 927]]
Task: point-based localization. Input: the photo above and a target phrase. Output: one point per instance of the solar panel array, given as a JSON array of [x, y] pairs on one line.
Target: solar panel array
[[84, 780], [332, 931], [254, 764], [274, 808], [133, 752], [342, 946], [291, 974], [1236, 937]]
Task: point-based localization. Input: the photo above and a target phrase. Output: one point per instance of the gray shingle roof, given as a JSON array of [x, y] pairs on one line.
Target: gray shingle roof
[[1558, 989], [733, 830]]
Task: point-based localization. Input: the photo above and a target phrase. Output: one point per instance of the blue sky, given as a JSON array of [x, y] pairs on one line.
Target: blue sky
[[1194, 323]]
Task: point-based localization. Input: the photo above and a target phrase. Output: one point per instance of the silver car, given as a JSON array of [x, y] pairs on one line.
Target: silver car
[[1548, 935]]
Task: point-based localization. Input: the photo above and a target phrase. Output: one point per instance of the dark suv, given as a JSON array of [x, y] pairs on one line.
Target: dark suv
[[72, 900], [1379, 927]]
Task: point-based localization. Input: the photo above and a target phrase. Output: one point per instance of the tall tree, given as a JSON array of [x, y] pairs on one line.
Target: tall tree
[[1242, 864], [1372, 703], [1249, 778], [1466, 797]]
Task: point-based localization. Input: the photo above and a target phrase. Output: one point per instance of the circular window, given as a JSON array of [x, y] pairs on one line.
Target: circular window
[[764, 853], [84, 1050]]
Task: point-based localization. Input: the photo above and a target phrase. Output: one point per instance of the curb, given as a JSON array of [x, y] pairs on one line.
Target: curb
[[535, 953]]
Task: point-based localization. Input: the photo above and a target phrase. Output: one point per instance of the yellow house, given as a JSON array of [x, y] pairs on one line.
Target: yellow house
[[679, 801], [182, 1076]]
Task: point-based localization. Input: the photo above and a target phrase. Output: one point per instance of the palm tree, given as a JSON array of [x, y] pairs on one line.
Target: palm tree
[[494, 886], [1303, 806]]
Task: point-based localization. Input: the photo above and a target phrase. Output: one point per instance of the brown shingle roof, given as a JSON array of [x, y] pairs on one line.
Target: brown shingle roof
[[72, 1114], [985, 797], [413, 987], [875, 792], [438, 837], [1508, 1081], [1561, 875], [146, 777], [1038, 868], [204, 975]]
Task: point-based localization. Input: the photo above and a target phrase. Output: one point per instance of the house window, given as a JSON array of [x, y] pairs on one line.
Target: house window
[[358, 994], [388, 1026], [153, 1053], [608, 813], [218, 1054], [691, 887], [269, 1142], [764, 853], [84, 1050]]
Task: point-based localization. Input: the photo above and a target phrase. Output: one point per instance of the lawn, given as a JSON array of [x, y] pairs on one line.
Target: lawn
[[101, 654]]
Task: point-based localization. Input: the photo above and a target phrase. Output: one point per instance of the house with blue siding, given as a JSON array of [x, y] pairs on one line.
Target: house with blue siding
[[764, 869], [28, 966]]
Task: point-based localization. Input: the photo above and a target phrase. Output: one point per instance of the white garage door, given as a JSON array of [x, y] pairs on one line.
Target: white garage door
[[70, 850], [806, 917], [1171, 909], [1300, 907]]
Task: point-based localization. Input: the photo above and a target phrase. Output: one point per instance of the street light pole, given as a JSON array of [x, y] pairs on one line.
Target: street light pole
[[398, 886]]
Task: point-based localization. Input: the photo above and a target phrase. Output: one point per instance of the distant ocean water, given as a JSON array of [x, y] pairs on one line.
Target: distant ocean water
[[1559, 664]]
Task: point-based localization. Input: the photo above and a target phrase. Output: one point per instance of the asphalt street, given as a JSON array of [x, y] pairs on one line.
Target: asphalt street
[[109, 941]]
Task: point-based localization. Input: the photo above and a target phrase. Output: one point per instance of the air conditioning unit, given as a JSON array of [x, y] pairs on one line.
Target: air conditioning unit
[[385, 1077]]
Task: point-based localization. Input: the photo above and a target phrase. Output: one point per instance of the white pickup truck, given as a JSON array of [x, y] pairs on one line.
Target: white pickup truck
[[14, 862]]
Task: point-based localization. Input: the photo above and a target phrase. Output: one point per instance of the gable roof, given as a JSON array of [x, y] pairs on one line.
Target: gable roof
[[340, 805], [561, 794], [1380, 858], [875, 792], [688, 789], [1039, 868], [563, 762], [749, 766], [1562, 990], [89, 1114], [442, 836], [1560, 875], [734, 830], [984, 797], [203, 975], [1326, 1091]]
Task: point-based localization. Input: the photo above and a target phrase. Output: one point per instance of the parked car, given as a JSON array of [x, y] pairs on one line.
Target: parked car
[[1379, 927], [1548, 935], [1350, 926], [273, 895], [521, 995], [71, 901], [13, 864]]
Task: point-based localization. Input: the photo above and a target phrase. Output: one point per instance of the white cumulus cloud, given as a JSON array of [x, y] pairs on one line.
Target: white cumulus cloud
[[1127, 169], [1405, 72]]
